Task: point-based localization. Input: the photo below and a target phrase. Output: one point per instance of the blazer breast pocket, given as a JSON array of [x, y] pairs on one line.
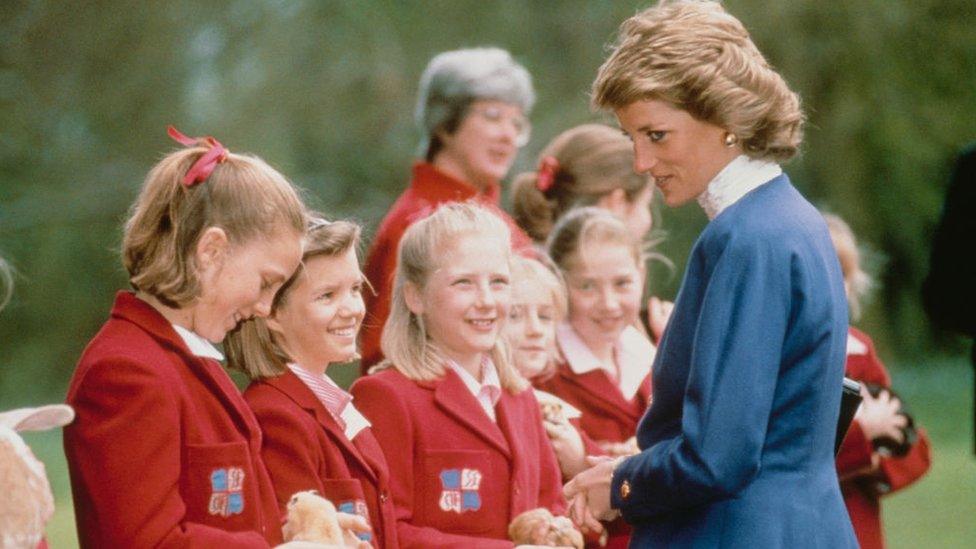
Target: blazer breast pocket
[[217, 485], [459, 491], [348, 497]]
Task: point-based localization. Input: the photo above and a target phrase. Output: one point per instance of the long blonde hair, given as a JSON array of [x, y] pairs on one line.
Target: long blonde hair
[[405, 342], [252, 348]]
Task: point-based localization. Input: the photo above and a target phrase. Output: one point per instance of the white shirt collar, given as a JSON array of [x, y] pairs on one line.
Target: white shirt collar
[[488, 391], [855, 347], [735, 180], [198, 345], [634, 353]]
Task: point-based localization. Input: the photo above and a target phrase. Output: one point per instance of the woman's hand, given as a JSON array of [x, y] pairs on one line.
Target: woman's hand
[[589, 494], [879, 416], [567, 445], [658, 314]]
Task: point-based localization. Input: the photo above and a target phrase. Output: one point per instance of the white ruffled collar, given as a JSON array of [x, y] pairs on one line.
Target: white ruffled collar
[[736, 179]]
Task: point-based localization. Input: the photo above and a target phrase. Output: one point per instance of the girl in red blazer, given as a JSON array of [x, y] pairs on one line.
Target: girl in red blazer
[[461, 430], [164, 452], [314, 437], [881, 453], [606, 366], [538, 305]]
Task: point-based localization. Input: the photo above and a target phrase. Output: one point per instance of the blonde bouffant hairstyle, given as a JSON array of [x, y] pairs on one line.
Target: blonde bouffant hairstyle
[[405, 341], [699, 58], [243, 195], [252, 347], [593, 161], [857, 282]]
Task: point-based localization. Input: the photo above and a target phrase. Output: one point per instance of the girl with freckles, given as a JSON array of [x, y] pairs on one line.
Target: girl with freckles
[[314, 438], [461, 429]]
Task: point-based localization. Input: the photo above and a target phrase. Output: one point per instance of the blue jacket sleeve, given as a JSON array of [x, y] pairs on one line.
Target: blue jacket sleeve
[[736, 348]]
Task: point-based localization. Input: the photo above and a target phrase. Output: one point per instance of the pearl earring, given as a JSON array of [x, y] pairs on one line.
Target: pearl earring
[[731, 139]]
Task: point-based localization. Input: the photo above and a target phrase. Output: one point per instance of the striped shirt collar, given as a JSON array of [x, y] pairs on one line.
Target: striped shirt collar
[[329, 394]]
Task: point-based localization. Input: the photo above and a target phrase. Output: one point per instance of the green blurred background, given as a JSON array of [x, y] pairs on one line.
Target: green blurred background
[[324, 91]]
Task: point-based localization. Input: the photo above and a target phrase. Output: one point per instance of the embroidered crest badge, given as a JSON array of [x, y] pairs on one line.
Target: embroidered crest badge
[[227, 491], [356, 507], [460, 490]]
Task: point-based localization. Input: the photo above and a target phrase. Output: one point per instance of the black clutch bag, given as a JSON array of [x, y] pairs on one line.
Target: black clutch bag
[[850, 399]]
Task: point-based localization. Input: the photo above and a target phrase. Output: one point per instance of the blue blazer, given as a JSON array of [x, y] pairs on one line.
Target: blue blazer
[[738, 445]]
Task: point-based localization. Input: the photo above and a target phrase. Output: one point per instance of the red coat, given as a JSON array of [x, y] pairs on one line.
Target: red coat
[[457, 478], [861, 485], [163, 452], [429, 189], [606, 415], [305, 449]]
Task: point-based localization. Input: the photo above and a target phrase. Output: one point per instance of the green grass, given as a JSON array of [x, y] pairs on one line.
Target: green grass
[[938, 511]]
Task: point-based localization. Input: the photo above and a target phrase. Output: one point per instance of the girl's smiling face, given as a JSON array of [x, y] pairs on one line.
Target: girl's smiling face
[[239, 281], [531, 327], [318, 321], [466, 298], [605, 287]]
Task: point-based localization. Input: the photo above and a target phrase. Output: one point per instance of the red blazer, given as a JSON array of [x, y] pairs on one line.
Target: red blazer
[[861, 485], [606, 415], [163, 451], [457, 478], [305, 449], [429, 189]]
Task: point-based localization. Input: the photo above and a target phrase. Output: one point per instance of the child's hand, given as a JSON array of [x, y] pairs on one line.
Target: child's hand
[[567, 444], [879, 416], [616, 449], [658, 314]]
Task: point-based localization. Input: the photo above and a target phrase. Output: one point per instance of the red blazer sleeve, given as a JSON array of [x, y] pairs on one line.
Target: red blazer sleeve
[[124, 450], [854, 457], [392, 425]]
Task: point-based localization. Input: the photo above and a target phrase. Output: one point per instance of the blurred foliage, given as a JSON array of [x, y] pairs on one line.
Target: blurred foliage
[[324, 90]]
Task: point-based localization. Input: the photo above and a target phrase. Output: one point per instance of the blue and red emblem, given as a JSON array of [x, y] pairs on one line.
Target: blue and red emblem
[[227, 491], [460, 490], [356, 507]]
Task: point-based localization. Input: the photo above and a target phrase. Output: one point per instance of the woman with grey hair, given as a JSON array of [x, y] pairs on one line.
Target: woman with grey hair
[[472, 110]]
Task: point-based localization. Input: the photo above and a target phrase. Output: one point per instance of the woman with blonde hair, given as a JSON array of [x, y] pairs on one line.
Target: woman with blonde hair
[[737, 446], [460, 428]]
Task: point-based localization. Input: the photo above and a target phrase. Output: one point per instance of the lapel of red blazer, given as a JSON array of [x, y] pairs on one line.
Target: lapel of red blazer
[[295, 389], [510, 422], [130, 308], [596, 385], [456, 400]]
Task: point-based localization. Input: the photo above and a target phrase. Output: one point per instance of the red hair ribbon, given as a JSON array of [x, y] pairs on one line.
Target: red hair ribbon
[[548, 167], [204, 166]]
